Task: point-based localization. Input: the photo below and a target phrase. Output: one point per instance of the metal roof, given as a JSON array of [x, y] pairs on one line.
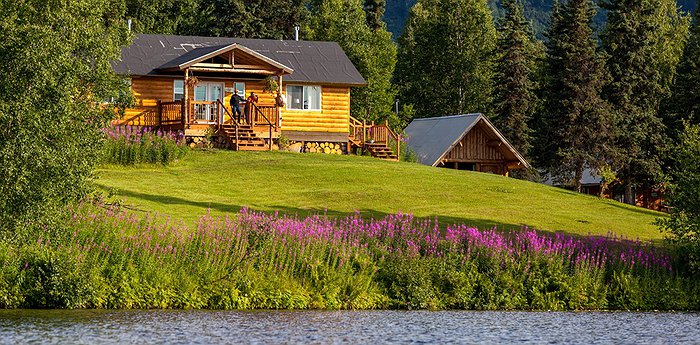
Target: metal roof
[[434, 137], [312, 61]]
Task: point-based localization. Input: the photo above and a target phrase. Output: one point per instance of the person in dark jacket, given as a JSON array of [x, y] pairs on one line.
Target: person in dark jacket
[[236, 100]]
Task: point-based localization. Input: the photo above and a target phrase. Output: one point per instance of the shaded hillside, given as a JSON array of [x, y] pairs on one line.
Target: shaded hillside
[[535, 10]]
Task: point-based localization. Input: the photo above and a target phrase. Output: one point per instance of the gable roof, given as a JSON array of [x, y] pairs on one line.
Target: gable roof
[[434, 137], [200, 54], [311, 61]]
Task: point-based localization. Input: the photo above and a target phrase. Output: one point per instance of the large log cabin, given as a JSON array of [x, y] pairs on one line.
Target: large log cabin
[[184, 83], [464, 142]]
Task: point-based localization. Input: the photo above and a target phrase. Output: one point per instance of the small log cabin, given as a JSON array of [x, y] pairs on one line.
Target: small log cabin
[[184, 83], [465, 142]]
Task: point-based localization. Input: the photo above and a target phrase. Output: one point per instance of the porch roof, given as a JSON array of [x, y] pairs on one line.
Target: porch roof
[[310, 61]]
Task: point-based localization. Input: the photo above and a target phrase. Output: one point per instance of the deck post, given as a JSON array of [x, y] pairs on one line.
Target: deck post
[[186, 98], [398, 147], [159, 105], [279, 110]]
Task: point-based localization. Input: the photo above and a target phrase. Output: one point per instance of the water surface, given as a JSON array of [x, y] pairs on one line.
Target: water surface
[[328, 327]]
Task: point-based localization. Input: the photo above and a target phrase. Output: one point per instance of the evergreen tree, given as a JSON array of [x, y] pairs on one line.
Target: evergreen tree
[[685, 102], [514, 95], [161, 16], [273, 19], [633, 42], [375, 11], [574, 131], [371, 51], [446, 57]]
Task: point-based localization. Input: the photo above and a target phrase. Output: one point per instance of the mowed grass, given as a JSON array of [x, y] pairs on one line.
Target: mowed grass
[[222, 182]]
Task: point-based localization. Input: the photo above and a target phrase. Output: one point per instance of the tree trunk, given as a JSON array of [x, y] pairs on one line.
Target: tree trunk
[[578, 176], [628, 192]]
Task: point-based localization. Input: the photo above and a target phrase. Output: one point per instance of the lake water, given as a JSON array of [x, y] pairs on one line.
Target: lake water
[[363, 327]]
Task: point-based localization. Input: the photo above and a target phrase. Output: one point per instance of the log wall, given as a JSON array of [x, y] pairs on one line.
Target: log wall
[[333, 117], [474, 148]]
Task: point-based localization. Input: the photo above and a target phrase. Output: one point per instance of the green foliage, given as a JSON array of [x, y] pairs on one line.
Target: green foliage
[[643, 39], [683, 227], [134, 146], [161, 16], [575, 131], [685, 101], [515, 100], [445, 58], [55, 57], [374, 10], [371, 51]]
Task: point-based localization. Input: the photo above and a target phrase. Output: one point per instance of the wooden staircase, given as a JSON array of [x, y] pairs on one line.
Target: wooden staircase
[[380, 150], [247, 140], [374, 139]]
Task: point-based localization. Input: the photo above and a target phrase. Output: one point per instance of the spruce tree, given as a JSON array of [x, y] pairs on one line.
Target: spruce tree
[[638, 83], [574, 131], [685, 102], [446, 56], [374, 10], [514, 88]]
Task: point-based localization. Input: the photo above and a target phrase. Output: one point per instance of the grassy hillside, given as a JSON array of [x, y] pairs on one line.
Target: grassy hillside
[[225, 181]]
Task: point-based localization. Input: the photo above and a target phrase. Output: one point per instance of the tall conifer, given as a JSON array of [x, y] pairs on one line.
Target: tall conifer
[[685, 103], [574, 130], [514, 93], [639, 81]]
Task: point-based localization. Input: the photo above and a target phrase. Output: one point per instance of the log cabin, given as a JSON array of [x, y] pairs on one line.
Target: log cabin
[[464, 142], [184, 83]]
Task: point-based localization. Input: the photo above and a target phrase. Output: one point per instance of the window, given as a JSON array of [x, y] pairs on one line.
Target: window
[[178, 90], [240, 87], [304, 97]]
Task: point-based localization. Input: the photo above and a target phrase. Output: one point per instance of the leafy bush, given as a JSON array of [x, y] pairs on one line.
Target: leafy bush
[[683, 225], [133, 145]]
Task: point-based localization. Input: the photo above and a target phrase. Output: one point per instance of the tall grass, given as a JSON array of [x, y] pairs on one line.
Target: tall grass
[[110, 258], [129, 145]]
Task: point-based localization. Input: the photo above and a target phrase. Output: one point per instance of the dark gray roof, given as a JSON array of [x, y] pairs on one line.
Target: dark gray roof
[[431, 137], [312, 61], [588, 178]]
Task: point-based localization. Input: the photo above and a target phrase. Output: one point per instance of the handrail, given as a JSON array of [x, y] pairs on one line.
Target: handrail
[[269, 123], [380, 133], [235, 123]]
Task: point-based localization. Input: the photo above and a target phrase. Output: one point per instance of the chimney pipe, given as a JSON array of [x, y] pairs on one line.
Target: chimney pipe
[[296, 32]]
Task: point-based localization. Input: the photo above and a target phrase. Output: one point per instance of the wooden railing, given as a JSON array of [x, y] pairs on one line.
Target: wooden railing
[[362, 133], [258, 113], [205, 111], [146, 118], [171, 113], [233, 121], [269, 111]]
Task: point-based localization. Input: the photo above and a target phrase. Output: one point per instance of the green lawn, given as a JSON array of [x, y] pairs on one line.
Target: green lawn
[[225, 181]]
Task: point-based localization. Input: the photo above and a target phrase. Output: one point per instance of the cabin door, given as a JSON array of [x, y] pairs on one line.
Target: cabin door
[[205, 96]]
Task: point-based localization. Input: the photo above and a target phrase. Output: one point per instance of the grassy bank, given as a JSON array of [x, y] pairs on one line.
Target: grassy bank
[[224, 182], [108, 258]]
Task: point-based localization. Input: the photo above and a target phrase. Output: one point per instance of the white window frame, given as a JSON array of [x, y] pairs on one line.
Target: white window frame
[[288, 105], [241, 92]]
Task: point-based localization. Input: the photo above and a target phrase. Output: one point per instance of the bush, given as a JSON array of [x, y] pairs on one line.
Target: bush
[[683, 225], [133, 145]]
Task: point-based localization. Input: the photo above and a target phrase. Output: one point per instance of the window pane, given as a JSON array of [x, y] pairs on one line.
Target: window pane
[[200, 93], [295, 97], [178, 90], [313, 97], [241, 88]]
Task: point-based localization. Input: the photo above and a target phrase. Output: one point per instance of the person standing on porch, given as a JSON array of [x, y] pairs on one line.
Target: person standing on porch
[[252, 99], [236, 100]]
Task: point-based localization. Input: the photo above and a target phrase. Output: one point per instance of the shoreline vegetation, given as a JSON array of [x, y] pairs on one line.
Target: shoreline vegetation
[[108, 257]]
